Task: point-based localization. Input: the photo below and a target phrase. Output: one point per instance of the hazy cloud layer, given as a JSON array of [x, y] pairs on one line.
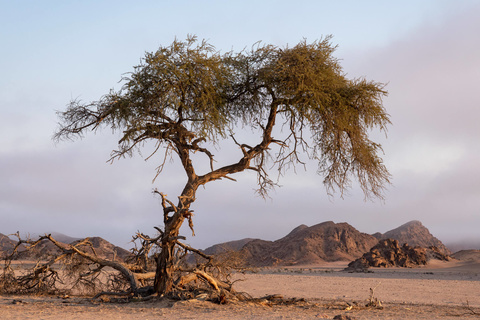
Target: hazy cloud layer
[[431, 64]]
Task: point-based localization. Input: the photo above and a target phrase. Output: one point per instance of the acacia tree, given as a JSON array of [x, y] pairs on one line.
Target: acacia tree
[[188, 96]]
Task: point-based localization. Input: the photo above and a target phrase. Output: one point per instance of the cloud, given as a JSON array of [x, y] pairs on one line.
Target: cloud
[[432, 149], [432, 76]]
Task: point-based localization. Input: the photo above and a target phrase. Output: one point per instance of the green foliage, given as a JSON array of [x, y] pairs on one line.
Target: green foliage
[[182, 82], [189, 93], [314, 95]]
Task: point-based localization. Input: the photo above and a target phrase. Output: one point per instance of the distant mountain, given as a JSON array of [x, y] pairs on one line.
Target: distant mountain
[[415, 234], [467, 255], [104, 249], [45, 248], [389, 253], [63, 238], [473, 244], [6, 245], [227, 246], [326, 241]]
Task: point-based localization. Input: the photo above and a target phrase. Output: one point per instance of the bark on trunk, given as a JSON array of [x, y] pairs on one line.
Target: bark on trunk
[[165, 268], [164, 275], [165, 272]]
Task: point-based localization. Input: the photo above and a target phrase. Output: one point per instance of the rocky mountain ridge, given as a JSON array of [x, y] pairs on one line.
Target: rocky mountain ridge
[[389, 253], [6, 244], [323, 242], [99, 246], [328, 241], [227, 246], [415, 234]]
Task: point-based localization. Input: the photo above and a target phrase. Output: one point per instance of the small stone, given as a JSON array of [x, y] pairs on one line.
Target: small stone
[[343, 317]]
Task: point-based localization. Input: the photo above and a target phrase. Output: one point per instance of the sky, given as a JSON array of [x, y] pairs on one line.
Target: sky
[[427, 52]]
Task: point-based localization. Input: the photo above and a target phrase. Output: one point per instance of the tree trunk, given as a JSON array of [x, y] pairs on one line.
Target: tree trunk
[[165, 272], [165, 268], [164, 275]]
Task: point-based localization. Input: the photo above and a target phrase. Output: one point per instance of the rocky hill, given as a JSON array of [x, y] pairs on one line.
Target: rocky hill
[[104, 249], [227, 246], [326, 241], [45, 248], [389, 253], [468, 244], [467, 255], [63, 238], [6, 245], [415, 234]]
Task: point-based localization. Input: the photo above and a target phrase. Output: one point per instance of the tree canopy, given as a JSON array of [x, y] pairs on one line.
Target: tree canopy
[[188, 93]]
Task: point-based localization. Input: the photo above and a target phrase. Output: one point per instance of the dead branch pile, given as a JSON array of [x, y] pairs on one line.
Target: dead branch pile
[[77, 269]]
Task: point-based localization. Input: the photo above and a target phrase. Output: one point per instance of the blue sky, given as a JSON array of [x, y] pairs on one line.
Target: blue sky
[[53, 51]]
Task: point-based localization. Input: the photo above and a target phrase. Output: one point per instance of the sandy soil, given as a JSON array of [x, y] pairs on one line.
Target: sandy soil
[[444, 290]]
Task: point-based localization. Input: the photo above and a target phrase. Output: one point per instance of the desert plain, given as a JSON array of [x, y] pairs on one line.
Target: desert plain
[[440, 290]]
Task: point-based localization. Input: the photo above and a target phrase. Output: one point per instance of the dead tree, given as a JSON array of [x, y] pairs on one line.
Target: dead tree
[[77, 267], [69, 262]]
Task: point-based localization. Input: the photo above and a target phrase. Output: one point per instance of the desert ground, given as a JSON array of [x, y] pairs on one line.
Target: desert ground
[[441, 290]]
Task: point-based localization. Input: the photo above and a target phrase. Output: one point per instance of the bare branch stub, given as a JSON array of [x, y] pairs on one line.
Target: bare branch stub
[[168, 206]]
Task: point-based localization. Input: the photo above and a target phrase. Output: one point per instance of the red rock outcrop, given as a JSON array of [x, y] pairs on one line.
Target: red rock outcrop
[[389, 253], [415, 234], [326, 241]]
